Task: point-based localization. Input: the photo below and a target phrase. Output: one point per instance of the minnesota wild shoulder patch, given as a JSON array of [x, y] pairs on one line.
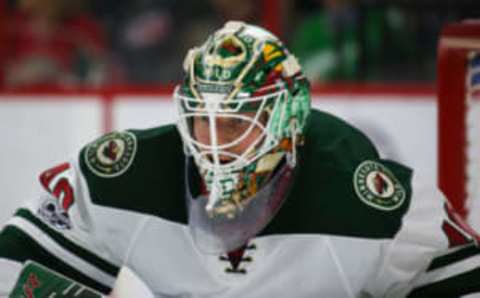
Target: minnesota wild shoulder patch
[[378, 187], [111, 155]]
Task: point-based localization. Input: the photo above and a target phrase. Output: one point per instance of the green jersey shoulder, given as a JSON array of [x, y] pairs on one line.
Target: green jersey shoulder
[[137, 170], [342, 186]]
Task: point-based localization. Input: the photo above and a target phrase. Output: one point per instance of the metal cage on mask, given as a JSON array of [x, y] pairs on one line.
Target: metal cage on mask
[[264, 90]]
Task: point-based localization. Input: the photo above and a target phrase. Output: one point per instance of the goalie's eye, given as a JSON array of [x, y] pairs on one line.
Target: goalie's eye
[[239, 129], [230, 125], [203, 119], [234, 123]]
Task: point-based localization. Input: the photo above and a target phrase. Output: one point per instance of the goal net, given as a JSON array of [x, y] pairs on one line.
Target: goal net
[[459, 117]]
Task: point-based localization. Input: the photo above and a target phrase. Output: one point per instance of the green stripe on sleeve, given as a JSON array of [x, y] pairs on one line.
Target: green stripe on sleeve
[[453, 287], [67, 244], [453, 257], [18, 246]]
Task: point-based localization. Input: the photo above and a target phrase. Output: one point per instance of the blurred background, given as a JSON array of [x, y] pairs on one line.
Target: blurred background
[[73, 70], [95, 43]]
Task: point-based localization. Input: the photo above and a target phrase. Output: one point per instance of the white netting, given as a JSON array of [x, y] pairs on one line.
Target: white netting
[[473, 139]]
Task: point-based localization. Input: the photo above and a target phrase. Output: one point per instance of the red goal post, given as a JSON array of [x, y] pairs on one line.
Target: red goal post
[[458, 84]]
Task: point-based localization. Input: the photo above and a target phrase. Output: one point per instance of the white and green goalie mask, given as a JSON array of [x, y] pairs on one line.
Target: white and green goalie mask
[[242, 75]]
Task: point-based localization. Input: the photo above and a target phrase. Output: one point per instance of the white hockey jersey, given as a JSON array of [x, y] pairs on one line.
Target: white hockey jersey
[[353, 225]]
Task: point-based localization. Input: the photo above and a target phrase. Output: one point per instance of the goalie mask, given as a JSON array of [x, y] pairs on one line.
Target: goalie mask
[[242, 109]]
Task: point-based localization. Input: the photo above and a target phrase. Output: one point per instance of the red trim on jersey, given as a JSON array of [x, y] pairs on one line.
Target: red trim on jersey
[[62, 190], [47, 176], [460, 226], [454, 236]]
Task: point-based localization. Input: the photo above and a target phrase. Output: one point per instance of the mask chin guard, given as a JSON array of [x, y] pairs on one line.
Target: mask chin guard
[[220, 234]]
